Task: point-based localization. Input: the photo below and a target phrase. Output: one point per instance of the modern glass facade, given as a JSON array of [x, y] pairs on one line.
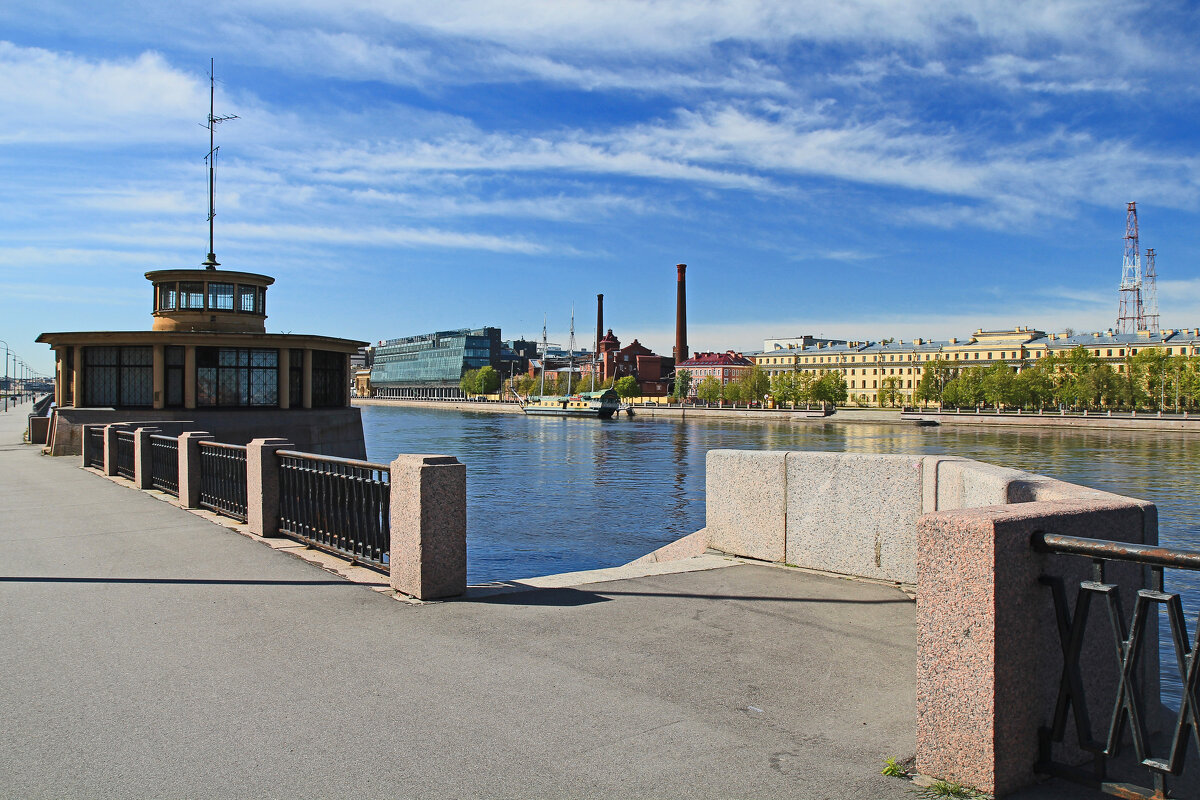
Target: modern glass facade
[[434, 359]]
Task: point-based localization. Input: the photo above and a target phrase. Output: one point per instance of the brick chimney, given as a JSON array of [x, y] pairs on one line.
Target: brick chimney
[[680, 351], [599, 322]]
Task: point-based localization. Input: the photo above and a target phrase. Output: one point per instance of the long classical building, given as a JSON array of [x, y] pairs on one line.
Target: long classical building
[[865, 365], [207, 363]]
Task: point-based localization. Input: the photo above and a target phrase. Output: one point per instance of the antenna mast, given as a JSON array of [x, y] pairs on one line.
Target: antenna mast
[[1130, 315], [1149, 281], [211, 160]]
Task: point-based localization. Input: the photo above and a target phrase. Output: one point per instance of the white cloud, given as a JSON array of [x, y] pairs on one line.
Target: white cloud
[[58, 97]]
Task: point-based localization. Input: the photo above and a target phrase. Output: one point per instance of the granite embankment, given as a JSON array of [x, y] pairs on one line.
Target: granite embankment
[[873, 416]]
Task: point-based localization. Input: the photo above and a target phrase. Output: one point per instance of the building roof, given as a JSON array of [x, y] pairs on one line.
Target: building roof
[[726, 359]]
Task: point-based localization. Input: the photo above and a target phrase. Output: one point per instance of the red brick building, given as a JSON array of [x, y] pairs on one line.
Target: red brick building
[[725, 367], [614, 361]]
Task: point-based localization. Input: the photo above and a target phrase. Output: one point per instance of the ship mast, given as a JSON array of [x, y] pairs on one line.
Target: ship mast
[[545, 347], [571, 351]]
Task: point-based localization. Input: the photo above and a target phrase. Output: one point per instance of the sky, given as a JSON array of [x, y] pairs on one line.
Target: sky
[[862, 169]]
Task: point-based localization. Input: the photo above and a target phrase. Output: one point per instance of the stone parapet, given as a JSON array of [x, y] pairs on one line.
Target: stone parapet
[[262, 485], [189, 467], [989, 658]]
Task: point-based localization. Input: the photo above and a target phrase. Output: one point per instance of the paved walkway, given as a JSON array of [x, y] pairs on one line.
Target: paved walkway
[[147, 652]]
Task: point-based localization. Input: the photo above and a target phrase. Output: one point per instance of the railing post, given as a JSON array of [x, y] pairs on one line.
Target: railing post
[[262, 485], [189, 467], [143, 461], [428, 553], [86, 446], [110, 447]]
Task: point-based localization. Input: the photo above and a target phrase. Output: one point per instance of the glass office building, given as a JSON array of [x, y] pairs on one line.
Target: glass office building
[[431, 365]]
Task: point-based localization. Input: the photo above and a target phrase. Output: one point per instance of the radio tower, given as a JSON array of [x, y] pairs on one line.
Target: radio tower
[[1130, 316], [1150, 295]]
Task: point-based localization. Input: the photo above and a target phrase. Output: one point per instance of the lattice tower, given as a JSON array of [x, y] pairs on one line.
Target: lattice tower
[[1130, 315], [1150, 292]]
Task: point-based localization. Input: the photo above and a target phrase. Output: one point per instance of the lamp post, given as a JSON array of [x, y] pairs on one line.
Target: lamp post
[[6, 387]]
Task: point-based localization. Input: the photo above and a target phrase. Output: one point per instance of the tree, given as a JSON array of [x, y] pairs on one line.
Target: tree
[[469, 382], [683, 383], [488, 380], [933, 378], [755, 384], [709, 390], [732, 392], [889, 391], [526, 385], [998, 385], [627, 387], [830, 388], [804, 387]]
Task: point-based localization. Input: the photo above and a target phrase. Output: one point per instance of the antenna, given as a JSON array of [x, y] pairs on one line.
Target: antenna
[[1150, 293], [211, 160], [1130, 315]]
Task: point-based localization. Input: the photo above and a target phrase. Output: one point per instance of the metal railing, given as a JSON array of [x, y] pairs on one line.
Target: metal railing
[[95, 445], [125, 454], [223, 479], [336, 504], [1128, 639], [164, 463]]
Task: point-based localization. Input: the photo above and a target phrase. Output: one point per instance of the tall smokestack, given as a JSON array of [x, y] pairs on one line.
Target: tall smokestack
[[681, 349], [599, 322]]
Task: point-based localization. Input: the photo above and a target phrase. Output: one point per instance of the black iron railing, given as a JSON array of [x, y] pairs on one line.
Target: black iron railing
[[164, 463], [1128, 638], [223, 478], [125, 454], [336, 504], [95, 446]]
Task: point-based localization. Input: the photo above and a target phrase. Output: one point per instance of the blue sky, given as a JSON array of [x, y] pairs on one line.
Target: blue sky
[[857, 169]]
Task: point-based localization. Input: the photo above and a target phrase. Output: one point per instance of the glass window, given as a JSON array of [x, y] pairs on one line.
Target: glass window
[[191, 295], [246, 296], [220, 296], [168, 296], [328, 379], [120, 377], [237, 376]]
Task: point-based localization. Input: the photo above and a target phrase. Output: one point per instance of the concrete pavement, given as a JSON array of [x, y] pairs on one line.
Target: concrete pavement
[[148, 652]]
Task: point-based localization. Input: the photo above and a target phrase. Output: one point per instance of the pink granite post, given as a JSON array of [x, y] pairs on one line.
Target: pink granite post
[[429, 526], [143, 463], [85, 448], [189, 467], [262, 485], [110, 447], [988, 654]]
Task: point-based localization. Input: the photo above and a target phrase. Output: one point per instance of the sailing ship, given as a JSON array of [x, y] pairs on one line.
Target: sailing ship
[[601, 405]]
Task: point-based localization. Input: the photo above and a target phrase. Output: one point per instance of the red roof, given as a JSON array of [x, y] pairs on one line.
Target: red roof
[[726, 359]]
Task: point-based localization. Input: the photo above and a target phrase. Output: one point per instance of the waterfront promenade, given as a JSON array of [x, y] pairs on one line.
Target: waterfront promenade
[[149, 652]]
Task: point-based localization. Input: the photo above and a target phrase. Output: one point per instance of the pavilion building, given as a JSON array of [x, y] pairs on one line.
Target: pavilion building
[[207, 363]]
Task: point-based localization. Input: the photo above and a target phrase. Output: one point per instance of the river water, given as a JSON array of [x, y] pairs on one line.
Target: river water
[[548, 495]]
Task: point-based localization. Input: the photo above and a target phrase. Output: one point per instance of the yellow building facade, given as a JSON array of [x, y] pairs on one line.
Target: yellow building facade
[[869, 367]]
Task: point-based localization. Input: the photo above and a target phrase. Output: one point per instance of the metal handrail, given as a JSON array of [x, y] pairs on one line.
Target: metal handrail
[[1129, 636], [125, 446], [341, 505], [164, 463], [1172, 557], [349, 462], [223, 478]]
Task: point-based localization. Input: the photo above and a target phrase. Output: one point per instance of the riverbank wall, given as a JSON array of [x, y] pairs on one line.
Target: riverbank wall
[[850, 416]]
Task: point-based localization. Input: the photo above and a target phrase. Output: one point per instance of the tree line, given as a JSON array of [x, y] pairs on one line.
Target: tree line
[[754, 385], [1076, 379]]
